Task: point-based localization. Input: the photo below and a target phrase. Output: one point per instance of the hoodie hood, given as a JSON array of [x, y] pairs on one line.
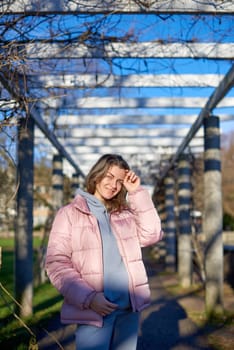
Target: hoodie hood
[[91, 200]]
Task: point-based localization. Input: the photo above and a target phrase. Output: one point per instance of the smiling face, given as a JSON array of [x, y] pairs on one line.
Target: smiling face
[[111, 184]]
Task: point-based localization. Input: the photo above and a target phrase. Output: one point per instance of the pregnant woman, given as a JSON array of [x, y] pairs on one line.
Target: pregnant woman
[[94, 256]]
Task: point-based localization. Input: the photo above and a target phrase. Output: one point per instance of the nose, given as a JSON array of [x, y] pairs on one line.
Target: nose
[[114, 183]]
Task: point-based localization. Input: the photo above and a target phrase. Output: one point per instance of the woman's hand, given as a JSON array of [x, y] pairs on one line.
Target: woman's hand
[[101, 305], [131, 181]]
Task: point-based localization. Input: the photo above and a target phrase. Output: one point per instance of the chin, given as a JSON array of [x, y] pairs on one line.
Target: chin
[[107, 198]]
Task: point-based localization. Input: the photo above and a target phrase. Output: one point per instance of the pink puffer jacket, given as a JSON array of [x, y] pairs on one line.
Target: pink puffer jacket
[[74, 254]]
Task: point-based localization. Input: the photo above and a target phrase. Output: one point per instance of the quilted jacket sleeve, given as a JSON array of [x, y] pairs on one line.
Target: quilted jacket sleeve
[[147, 219], [59, 266]]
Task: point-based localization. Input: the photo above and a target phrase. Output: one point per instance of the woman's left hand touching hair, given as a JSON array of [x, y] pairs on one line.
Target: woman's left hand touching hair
[[131, 181]]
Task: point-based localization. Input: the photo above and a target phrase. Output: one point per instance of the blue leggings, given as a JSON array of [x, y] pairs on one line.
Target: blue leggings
[[119, 332]]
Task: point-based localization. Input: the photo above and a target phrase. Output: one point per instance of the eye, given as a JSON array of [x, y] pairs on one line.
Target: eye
[[120, 182]]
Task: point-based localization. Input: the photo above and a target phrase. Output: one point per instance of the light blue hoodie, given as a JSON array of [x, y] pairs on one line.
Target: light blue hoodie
[[115, 274]]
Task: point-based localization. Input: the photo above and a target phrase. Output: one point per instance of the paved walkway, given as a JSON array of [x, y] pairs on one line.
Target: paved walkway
[[165, 325]]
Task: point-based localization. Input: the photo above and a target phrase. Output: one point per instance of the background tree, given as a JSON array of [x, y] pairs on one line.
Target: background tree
[[228, 180], [8, 188]]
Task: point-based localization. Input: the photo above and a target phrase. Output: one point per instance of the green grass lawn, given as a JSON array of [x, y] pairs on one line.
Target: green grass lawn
[[46, 303]]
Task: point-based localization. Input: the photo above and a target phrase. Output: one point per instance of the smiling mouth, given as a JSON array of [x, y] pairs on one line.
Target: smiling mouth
[[111, 191]]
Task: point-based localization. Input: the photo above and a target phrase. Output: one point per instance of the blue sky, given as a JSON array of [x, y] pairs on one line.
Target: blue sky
[[187, 28]]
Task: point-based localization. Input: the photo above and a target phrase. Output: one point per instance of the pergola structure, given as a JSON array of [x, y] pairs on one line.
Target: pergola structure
[[83, 106], [130, 77]]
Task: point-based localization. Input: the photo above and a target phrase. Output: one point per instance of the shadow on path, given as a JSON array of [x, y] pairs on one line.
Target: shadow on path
[[60, 336], [169, 328]]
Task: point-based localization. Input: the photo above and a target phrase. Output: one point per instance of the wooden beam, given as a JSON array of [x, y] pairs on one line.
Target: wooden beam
[[139, 144], [70, 101], [41, 50], [125, 119], [167, 148], [91, 148], [127, 132], [28, 7], [71, 81]]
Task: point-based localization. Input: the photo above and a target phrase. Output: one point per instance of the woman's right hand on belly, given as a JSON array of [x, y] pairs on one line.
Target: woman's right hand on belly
[[101, 305]]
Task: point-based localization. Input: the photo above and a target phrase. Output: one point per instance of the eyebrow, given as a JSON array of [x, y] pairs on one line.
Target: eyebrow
[[108, 172]]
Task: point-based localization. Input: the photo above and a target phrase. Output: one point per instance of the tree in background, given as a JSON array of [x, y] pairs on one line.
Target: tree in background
[[8, 188], [228, 180]]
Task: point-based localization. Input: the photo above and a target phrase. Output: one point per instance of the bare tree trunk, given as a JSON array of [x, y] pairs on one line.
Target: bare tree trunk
[[199, 259], [39, 271]]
